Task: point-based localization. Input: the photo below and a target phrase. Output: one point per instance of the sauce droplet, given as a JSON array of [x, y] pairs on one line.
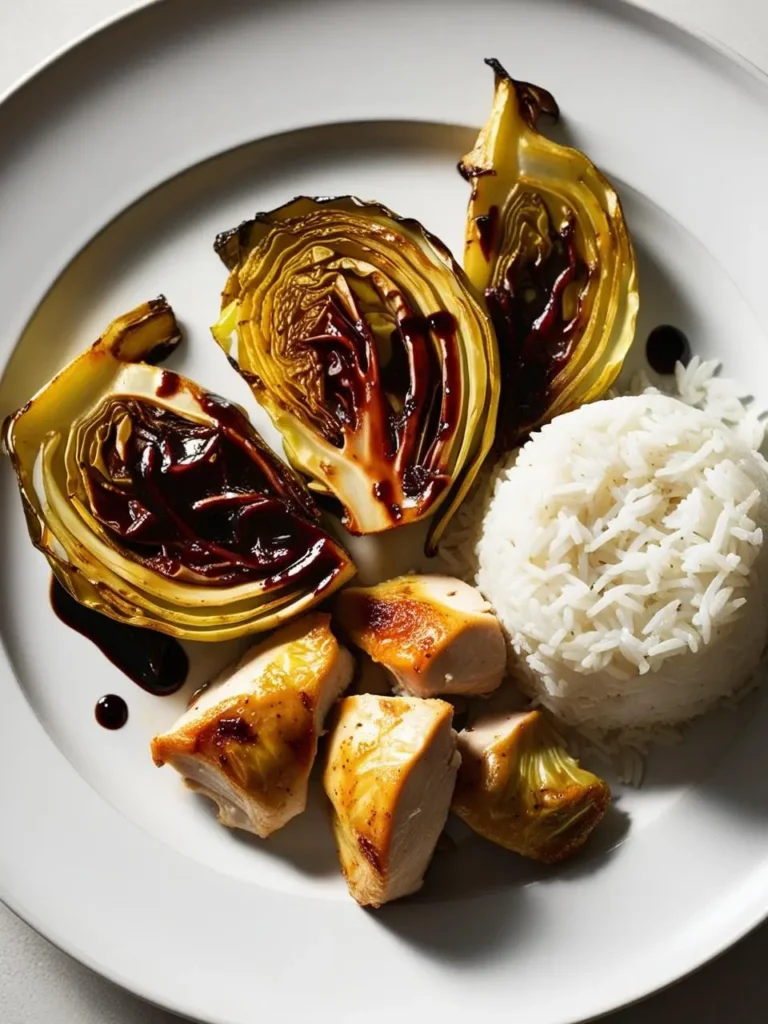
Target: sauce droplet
[[666, 346], [486, 224], [170, 384], [111, 711], [158, 663]]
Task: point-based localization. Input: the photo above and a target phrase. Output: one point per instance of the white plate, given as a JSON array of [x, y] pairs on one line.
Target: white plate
[[120, 163]]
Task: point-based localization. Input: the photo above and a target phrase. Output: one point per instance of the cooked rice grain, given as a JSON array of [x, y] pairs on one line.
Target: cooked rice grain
[[624, 556]]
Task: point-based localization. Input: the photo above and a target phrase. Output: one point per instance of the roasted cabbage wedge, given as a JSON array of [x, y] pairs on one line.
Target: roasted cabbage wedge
[[364, 341], [157, 503], [547, 245], [519, 787]]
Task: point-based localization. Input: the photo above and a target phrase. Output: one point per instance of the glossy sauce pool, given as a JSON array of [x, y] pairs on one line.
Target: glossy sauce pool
[[157, 663]]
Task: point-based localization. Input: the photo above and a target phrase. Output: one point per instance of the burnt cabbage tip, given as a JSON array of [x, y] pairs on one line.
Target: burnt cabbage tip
[[547, 245], [157, 503], [369, 349]]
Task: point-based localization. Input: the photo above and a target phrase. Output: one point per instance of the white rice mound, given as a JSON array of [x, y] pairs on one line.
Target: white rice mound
[[624, 555]]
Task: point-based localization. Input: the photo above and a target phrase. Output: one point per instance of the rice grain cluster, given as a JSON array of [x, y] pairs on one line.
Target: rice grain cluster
[[624, 555]]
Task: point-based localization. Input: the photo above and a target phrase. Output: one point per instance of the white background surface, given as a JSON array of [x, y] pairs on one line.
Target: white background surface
[[40, 985]]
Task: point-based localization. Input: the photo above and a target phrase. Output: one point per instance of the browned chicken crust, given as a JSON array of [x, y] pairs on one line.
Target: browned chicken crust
[[389, 775], [435, 634], [252, 750]]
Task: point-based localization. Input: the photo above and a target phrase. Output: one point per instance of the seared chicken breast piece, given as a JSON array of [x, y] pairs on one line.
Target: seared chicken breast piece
[[389, 775], [519, 787], [249, 740], [435, 634]]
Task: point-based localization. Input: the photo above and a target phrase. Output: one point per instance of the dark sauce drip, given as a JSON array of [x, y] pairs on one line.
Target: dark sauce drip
[[487, 224], [666, 346], [193, 500], [164, 349], [440, 407], [170, 384], [384, 492], [415, 480], [158, 663], [111, 711], [472, 174], [341, 346], [409, 416], [468, 173], [536, 336]]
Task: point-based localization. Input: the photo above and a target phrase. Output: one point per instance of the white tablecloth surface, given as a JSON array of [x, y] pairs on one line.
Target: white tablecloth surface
[[39, 984]]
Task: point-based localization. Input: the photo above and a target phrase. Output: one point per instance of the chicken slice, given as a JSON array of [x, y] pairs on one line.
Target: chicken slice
[[390, 773], [435, 634], [250, 739], [519, 787]]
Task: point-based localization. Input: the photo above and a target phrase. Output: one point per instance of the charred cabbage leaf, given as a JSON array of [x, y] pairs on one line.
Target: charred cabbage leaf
[[547, 244], [519, 787], [364, 342], [157, 503]]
